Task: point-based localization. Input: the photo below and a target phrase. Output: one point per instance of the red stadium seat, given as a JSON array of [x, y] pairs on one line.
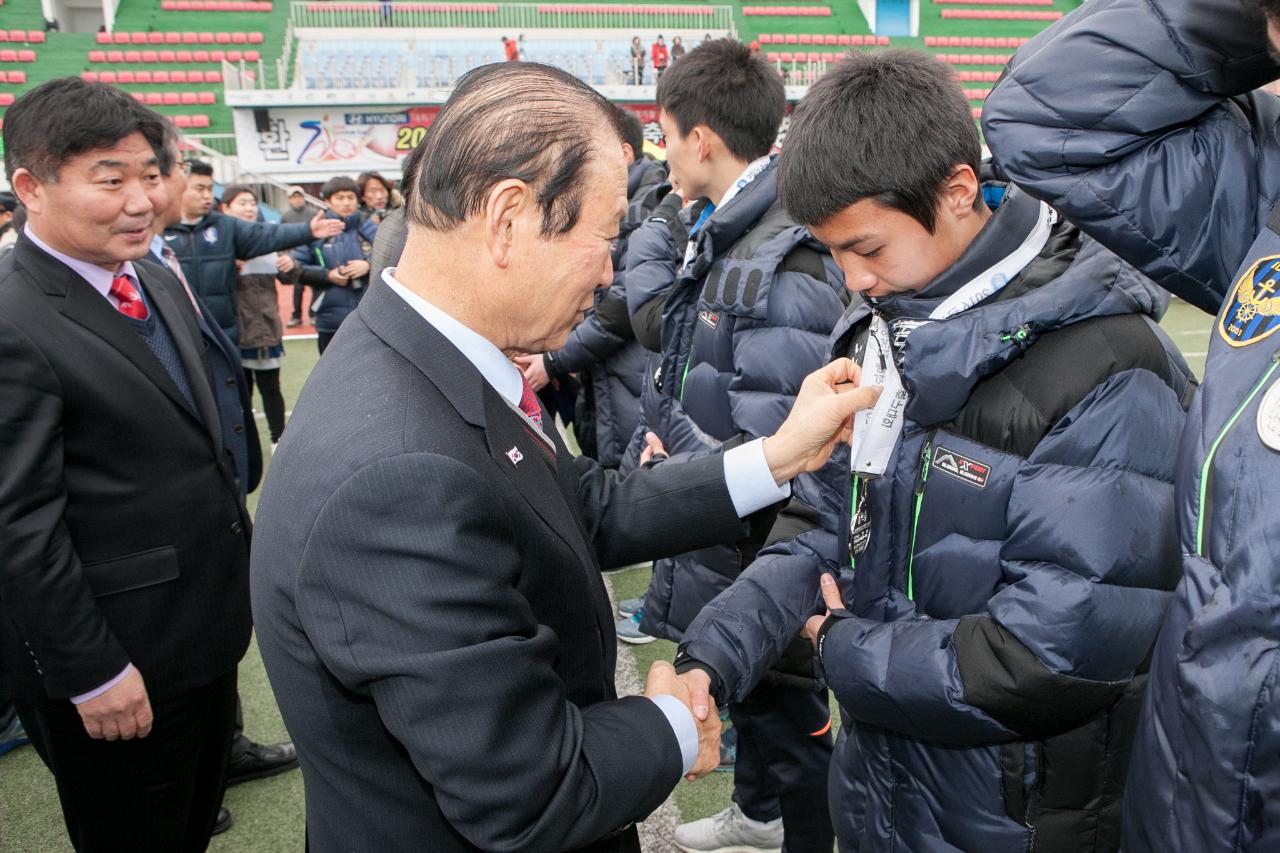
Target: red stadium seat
[[137, 38], [215, 76], [153, 99], [119, 38], [771, 57], [167, 56], [142, 77], [163, 76], [251, 56], [255, 38], [222, 38], [97, 56], [828, 57], [107, 77], [115, 56], [234, 56], [6, 99], [791, 38], [126, 77], [200, 56], [765, 38], [785, 57], [89, 76], [199, 121], [172, 99], [182, 56], [20, 36], [206, 98], [217, 55], [19, 77], [173, 38], [187, 98], [103, 38], [204, 38], [185, 77], [831, 39], [806, 39], [26, 56], [150, 56], [190, 38], [182, 121], [4, 35], [133, 56], [8, 56], [155, 38], [844, 41], [239, 38]]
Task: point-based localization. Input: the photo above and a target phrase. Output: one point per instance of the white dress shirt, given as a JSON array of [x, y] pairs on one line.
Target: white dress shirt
[[746, 473]]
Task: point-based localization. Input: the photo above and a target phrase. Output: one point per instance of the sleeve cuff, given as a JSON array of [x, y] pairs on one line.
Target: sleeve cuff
[[98, 691], [751, 485], [683, 726]]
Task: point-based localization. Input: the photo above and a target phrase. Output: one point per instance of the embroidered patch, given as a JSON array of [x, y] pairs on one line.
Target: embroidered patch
[[971, 471], [1269, 417], [711, 318], [1252, 312]]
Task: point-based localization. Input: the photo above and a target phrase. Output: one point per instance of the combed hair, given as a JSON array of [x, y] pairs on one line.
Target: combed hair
[[721, 85], [890, 126], [63, 118], [200, 167], [630, 130], [509, 120]]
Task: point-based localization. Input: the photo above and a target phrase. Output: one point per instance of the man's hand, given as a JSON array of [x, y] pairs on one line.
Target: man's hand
[[652, 447], [122, 713], [355, 269], [663, 679], [285, 263], [335, 276], [322, 227], [821, 418], [831, 596], [534, 369]]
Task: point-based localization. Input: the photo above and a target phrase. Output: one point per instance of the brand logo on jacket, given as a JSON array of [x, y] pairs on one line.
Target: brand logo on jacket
[[211, 234], [961, 467], [710, 318], [1252, 312]]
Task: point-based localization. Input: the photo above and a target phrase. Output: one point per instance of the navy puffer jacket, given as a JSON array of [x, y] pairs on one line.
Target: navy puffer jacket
[[332, 303], [742, 325], [1159, 144], [1019, 562]]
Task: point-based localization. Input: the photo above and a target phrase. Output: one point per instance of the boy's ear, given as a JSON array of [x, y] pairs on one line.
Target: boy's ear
[[961, 190]]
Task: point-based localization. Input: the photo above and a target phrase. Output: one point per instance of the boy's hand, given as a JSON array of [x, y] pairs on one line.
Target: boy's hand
[[355, 269], [336, 277]]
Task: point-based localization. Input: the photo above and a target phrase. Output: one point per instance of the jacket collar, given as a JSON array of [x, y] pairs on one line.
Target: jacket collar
[[729, 222]]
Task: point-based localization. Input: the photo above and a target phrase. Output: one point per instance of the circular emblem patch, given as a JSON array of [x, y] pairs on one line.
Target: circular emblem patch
[[1269, 417], [1253, 309]]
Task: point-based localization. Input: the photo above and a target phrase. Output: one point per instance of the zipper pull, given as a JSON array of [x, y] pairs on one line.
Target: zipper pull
[[925, 458]]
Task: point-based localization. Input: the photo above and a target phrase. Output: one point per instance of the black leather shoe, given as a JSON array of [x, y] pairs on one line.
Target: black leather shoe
[[224, 821], [251, 760]]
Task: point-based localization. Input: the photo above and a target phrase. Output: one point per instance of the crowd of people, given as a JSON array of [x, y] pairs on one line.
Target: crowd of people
[[895, 423]]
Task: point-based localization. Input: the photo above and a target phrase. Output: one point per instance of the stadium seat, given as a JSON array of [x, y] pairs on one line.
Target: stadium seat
[[251, 56], [172, 99], [234, 56], [177, 76], [771, 57], [166, 56], [239, 38], [19, 36], [831, 39], [103, 38], [150, 56], [154, 99], [206, 98], [204, 38], [199, 56], [199, 121], [18, 77], [256, 38], [155, 38], [107, 77], [97, 56], [806, 39], [765, 38], [36, 36], [217, 55], [126, 77], [182, 121], [89, 76], [133, 56], [182, 56], [8, 56], [187, 98], [119, 38], [215, 76], [143, 77], [26, 56], [190, 38], [6, 99], [137, 38], [222, 38]]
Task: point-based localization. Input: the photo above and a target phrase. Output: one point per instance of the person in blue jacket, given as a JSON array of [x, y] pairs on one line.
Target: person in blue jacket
[[998, 540], [337, 268], [1158, 144], [744, 321], [209, 243]]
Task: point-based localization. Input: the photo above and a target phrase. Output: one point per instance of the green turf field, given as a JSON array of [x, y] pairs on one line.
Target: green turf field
[[269, 813]]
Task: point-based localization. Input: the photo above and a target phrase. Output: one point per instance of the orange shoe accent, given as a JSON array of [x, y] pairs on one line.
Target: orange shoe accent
[[822, 731]]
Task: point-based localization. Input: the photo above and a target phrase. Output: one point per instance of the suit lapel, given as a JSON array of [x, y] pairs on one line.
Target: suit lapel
[[180, 320]]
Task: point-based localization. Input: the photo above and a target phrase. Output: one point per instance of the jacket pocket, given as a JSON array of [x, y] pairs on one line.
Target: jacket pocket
[[132, 571]]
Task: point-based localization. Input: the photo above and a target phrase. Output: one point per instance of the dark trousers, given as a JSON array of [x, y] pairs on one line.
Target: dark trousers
[[322, 340], [784, 750], [160, 793], [268, 382], [297, 300]]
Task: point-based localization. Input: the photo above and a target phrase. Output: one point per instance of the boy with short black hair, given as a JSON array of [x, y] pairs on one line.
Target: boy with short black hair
[[745, 320], [1004, 542], [337, 269]]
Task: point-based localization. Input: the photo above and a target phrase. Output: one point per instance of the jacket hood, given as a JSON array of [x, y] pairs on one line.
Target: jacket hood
[[1072, 280]]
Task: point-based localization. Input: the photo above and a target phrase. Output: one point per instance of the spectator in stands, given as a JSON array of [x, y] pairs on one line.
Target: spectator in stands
[[510, 49], [523, 47], [706, 39], [677, 48], [1163, 147], [377, 196], [660, 58], [297, 212], [209, 243], [988, 602], [125, 606], [337, 267], [602, 351], [734, 355], [258, 309], [637, 62]]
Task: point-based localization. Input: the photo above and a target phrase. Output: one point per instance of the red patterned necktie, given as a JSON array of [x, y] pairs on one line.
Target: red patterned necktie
[[529, 403], [128, 300]]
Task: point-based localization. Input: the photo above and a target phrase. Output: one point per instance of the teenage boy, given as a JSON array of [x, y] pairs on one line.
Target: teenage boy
[[337, 269], [1004, 550], [1164, 148], [746, 319]]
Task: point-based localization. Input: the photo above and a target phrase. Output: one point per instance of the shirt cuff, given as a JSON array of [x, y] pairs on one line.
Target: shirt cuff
[[751, 485], [682, 724], [95, 693]]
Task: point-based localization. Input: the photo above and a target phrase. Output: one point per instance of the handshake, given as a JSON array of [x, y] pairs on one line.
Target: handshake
[[691, 688]]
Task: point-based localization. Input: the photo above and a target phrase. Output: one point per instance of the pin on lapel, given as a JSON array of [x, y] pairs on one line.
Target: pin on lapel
[[515, 456]]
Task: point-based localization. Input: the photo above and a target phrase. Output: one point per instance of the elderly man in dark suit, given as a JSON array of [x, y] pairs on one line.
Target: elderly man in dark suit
[[426, 577], [123, 534]]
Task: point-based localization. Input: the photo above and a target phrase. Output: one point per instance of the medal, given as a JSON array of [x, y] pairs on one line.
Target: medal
[[1269, 417]]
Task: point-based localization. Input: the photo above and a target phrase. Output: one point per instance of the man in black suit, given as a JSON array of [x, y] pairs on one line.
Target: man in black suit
[[426, 577], [124, 578]]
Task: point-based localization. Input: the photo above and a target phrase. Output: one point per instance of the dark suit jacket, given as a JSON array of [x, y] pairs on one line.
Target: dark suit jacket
[[431, 613], [122, 528]]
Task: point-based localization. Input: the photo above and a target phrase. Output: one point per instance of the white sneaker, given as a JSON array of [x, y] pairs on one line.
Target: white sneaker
[[730, 832]]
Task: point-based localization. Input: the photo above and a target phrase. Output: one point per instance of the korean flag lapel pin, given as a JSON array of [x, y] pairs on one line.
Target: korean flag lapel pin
[[515, 456]]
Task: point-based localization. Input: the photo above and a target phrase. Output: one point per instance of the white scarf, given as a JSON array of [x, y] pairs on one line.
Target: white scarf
[[876, 430]]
